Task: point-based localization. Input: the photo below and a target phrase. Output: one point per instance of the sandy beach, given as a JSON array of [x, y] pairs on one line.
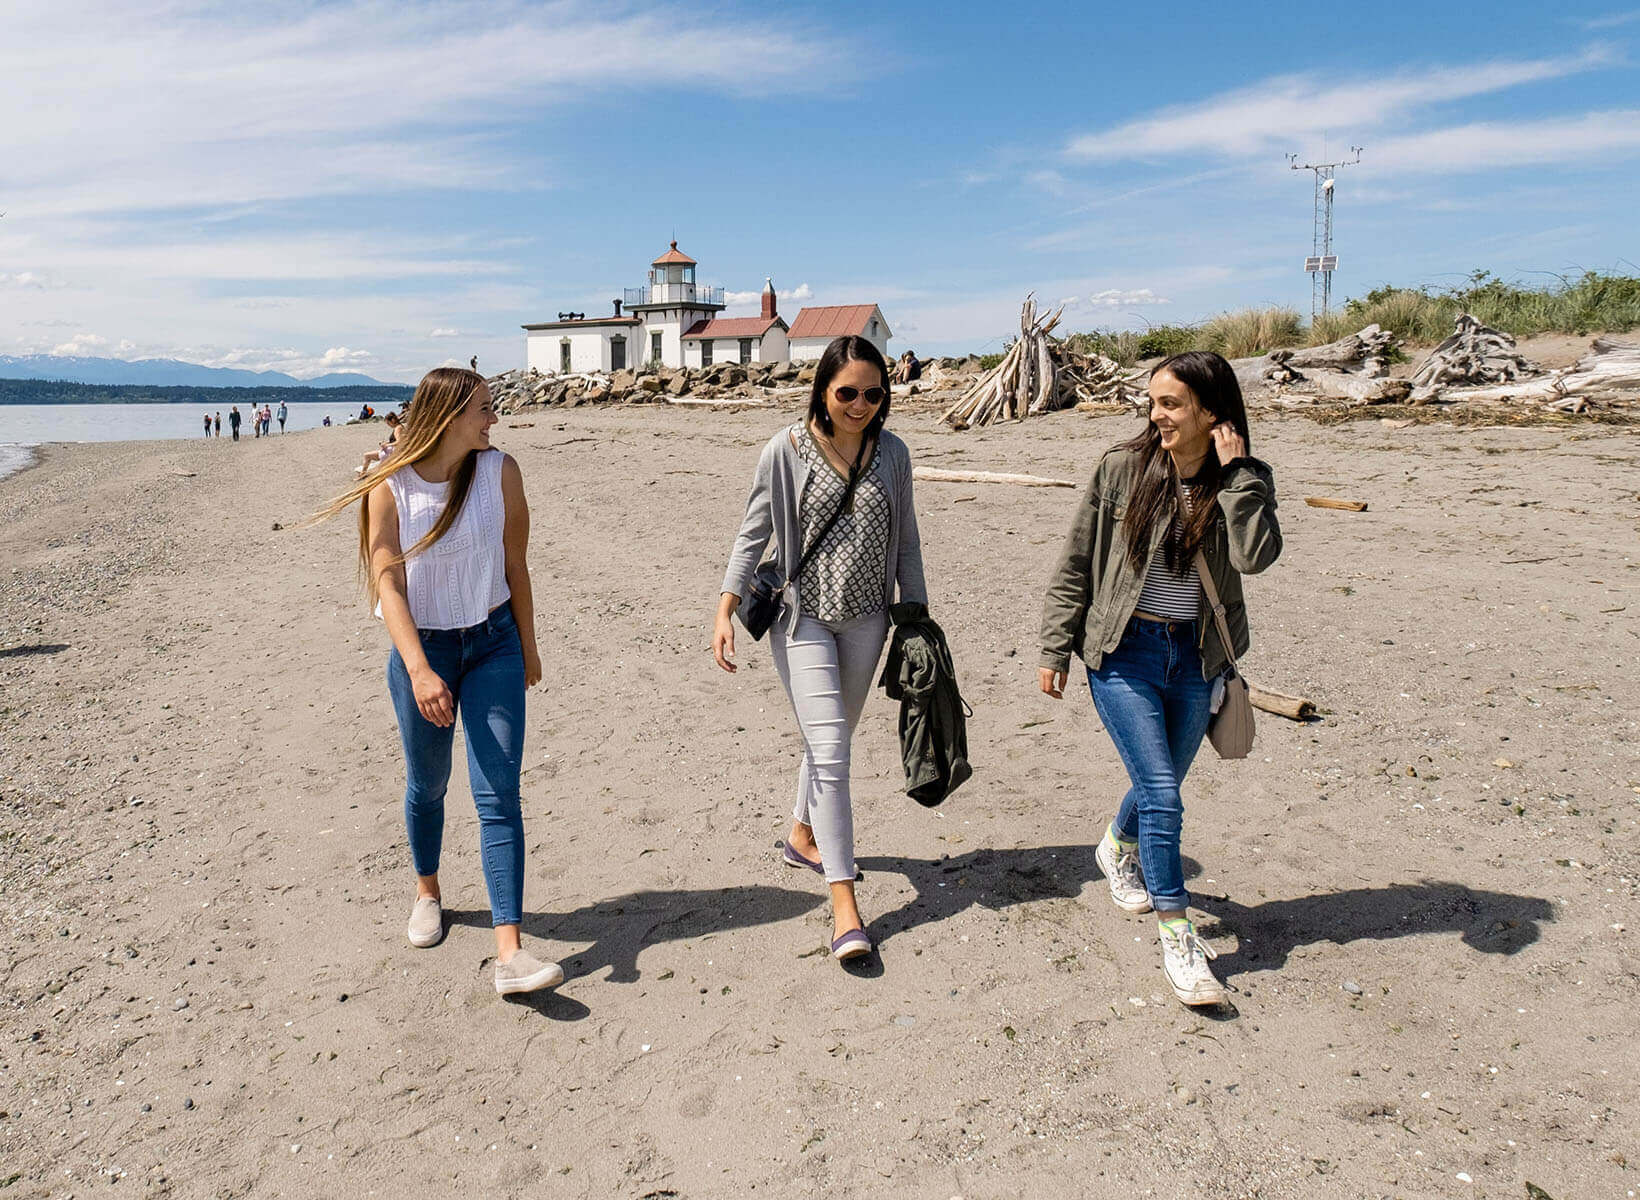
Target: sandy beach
[[1425, 900]]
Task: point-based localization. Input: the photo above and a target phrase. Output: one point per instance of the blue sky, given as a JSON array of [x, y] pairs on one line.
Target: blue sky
[[387, 186]]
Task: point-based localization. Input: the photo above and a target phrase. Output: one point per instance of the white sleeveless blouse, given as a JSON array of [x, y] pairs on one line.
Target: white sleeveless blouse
[[460, 578]]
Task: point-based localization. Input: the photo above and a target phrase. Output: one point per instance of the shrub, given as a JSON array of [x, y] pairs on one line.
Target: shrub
[[1253, 331], [1160, 341], [988, 361]]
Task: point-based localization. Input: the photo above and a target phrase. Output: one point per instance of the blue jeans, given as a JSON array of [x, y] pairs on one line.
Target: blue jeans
[[483, 666], [1154, 702]]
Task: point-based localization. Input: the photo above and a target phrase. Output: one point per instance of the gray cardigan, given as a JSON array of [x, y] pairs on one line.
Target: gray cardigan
[[772, 509]]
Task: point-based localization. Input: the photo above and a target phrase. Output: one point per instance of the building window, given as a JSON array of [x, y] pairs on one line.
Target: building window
[[617, 353], [706, 352], [655, 347], [745, 350], [563, 356]]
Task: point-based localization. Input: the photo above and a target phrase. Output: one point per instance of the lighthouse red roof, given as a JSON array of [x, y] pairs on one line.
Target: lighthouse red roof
[[674, 256]]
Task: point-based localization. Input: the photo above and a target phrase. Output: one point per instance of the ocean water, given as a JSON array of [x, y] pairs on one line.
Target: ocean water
[[23, 426]]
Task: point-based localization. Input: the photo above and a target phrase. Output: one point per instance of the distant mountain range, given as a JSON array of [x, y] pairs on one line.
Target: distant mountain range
[[164, 372]]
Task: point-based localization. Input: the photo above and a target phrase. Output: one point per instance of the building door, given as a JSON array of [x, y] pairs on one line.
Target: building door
[[745, 350], [655, 347], [563, 357], [617, 353], [705, 352]]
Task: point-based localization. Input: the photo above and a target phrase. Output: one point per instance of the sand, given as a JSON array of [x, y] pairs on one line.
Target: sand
[[1425, 901]]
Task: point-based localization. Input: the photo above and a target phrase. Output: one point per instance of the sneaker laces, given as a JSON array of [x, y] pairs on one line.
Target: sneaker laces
[[1127, 867], [1190, 944]]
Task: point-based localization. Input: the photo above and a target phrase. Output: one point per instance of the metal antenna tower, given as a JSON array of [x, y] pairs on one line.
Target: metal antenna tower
[[1322, 261]]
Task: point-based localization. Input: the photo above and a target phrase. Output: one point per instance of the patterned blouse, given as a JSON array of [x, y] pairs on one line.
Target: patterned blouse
[[843, 579]]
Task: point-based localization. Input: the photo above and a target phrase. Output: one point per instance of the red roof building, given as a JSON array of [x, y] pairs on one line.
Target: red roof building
[[815, 328]]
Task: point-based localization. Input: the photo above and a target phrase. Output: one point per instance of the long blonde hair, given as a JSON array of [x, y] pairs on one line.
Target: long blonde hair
[[440, 396]]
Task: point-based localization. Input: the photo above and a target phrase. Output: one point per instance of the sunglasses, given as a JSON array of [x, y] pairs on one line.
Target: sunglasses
[[873, 395]]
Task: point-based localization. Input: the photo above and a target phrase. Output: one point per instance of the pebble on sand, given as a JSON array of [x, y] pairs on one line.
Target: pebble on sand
[[182, 1003]]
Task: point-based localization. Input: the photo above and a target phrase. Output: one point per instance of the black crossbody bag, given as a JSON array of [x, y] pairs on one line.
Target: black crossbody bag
[[761, 604]]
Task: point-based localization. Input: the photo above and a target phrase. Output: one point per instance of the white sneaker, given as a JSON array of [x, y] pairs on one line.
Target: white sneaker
[[523, 972], [1121, 868], [1184, 958]]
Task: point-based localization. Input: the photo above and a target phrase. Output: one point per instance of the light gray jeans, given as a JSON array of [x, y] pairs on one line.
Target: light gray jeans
[[827, 671]]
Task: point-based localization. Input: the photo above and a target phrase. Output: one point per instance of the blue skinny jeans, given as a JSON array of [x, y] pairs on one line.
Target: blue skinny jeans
[[483, 666], [1154, 702]]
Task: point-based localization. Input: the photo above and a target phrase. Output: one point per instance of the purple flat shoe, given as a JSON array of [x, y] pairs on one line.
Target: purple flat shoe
[[793, 859], [853, 944]]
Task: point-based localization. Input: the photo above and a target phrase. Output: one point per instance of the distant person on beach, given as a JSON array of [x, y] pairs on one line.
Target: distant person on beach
[[267, 421], [378, 456], [1127, 597], [207, 424], [444, 540], [327, 421], [834, 491], [233, 421], [256, 422], [216, 430], [283, 413], [473, 363]]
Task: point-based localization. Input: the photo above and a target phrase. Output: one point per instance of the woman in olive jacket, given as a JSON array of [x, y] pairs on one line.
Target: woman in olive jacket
[[1127, 599]]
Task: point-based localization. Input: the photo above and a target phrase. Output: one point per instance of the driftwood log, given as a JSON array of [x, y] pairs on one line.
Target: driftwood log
[[939, 475], [1609, 371], [1039, 374], [1294, 708], [1360, 389], [1366, 351], [1341, 505], [1363, 355], [1474, 354]]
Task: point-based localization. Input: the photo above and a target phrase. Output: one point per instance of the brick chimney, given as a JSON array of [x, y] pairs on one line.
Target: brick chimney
[[768, 300], [617, 308]]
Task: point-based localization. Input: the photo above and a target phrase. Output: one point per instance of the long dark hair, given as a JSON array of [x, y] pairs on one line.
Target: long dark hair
[[843, 350], [1212, 381]]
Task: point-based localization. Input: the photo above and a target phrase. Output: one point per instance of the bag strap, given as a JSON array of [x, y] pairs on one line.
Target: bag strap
[[1212, 591], [848, 495]]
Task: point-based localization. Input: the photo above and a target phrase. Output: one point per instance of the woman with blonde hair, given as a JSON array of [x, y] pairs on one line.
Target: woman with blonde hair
[[443, 530]]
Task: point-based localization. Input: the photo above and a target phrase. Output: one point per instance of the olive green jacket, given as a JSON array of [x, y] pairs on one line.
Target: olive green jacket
[[1094, 589]]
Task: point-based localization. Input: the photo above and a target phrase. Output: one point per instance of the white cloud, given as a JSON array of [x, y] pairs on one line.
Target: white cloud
[[29, 279], [1117, 298], [801, 292], [1486, 145], [1296, 111], [445, 333], [81, 344], [183, 103], [1612, 20]]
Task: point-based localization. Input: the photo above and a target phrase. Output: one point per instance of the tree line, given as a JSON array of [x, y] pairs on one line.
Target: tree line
[[50, 391]]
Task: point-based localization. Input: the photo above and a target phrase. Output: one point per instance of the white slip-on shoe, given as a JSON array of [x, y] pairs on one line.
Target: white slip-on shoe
[[1184, 958], [1127, 883], [523, 972], [426, 923]]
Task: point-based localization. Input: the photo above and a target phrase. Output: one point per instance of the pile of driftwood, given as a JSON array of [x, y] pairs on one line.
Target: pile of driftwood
[[1474, 354], [1353, 368], [1609, 372], [1040, 374]]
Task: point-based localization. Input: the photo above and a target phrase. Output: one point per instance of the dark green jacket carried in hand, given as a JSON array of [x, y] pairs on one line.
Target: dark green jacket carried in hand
[[919, 674], [1094, 589]]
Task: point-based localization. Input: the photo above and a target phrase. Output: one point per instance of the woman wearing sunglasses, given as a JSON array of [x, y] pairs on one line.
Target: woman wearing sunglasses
[[834, 492]]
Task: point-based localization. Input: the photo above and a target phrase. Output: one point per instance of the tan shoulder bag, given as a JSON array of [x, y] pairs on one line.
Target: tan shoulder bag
[[1231, 728]]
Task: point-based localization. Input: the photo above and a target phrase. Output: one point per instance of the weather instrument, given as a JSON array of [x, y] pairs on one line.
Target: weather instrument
[[1322, 262]]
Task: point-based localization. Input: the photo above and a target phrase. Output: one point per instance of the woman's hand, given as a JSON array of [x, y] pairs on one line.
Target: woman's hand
[[1052, 682], [433, 698], [1228, 443], [723, 642], [532, 667]]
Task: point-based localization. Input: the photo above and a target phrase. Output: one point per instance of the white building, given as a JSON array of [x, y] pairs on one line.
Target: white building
[[815, 328], [673, 321]]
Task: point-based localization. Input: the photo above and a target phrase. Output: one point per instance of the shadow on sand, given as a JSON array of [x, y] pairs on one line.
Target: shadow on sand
[[621, 928], [1268, 932], [33, 648]]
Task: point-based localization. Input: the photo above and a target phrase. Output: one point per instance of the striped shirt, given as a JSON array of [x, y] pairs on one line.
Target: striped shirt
[[1173, 597]]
